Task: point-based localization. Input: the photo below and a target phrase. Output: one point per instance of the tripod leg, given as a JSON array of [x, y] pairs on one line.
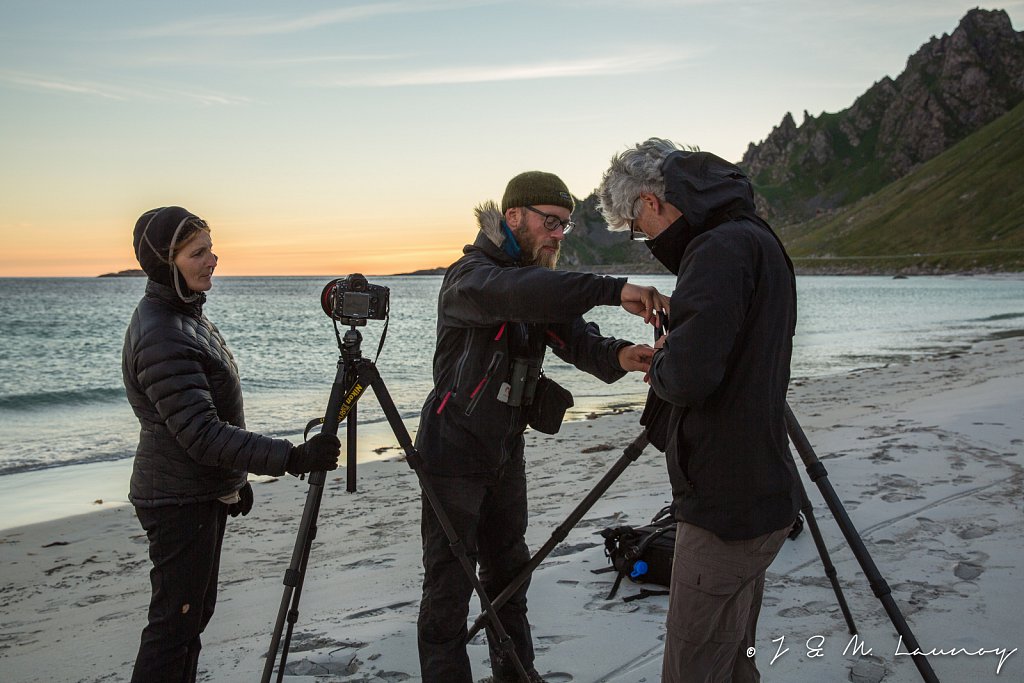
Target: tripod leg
[[296, 572], [413, 458], [631, 454], [826, 561], [350, 461], [294, 575], [878, 585]]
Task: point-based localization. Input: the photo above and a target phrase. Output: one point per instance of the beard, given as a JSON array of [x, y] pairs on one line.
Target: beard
[[534, 251]]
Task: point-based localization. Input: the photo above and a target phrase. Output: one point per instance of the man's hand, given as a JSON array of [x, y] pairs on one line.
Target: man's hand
[[643, 301], [636, 357], [658, 346]]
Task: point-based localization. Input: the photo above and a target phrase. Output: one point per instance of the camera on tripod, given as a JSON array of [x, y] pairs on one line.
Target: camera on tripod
[[353, 300]]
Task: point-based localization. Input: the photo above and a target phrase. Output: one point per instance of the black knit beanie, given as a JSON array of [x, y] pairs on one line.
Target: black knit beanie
[[156, 233], [534, 188]]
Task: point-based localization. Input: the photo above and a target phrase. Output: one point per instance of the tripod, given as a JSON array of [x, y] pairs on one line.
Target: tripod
[[816, 471], [817, 474], [631, 453], [354, 375]]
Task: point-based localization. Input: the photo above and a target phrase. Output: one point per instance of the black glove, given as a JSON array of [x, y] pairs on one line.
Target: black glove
[[244, 503], [316, 455]]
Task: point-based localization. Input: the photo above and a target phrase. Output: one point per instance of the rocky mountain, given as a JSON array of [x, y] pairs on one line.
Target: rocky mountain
[[593, 247], [814, 177], [951, 87]]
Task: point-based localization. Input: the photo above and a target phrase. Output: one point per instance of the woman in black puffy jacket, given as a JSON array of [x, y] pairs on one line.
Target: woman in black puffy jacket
[[194, 453]]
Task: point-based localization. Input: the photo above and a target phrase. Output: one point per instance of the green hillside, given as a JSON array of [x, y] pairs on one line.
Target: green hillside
[[962, 210], [952, 87]]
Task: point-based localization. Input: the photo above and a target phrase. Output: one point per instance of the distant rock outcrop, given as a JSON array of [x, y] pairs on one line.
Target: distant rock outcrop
[[592, 246], [134, 272]]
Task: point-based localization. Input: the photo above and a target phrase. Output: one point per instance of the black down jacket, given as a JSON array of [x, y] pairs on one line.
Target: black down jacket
[[183, 385], [488, 310]]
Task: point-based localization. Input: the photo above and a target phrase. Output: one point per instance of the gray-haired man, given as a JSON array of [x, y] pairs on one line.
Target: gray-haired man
[[723, 370]]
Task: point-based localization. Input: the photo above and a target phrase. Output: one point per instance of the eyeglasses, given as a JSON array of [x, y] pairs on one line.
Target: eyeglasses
[[553, 222], [635, 234]]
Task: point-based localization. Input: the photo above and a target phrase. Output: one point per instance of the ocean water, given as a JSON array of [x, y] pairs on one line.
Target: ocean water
[[62, 401]]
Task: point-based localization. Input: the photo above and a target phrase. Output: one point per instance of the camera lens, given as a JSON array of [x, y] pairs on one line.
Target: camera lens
[[327, 298]]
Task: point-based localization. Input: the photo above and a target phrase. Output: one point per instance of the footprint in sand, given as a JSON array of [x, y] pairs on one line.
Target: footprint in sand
[[896, 487], [564, 549], [614, 605], [307, 642], [972, 531], [930, 527], [307, 667], [810, 609], [868, 669], [970, 568], [610, 520], [375, 562], [377, 611], [968, 571], [555, 640], [881, 455]]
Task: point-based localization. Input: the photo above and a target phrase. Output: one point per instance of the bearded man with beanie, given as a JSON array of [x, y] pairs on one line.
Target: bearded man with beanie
[[719, 379], [194, 452], [500, 306]]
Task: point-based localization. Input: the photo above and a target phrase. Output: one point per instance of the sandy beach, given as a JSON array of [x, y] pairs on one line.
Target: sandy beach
[[926, 458]]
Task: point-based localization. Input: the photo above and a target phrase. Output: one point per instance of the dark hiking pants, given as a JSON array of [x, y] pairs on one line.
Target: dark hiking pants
[[489, 515], [184, 546]]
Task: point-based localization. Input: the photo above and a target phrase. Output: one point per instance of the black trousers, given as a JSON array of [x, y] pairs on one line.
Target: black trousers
[[184, 546], [489, 515]]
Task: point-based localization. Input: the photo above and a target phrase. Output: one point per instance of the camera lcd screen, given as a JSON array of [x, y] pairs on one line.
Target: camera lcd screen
[[355, 305]]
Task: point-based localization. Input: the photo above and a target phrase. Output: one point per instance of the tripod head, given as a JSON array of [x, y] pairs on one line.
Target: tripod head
[[351, 344]]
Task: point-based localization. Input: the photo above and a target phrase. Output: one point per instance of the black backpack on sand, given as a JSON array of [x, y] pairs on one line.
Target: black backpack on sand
[[644, 554]]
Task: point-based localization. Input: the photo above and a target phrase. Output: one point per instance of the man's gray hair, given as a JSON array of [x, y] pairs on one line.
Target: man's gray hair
[[634, 171]]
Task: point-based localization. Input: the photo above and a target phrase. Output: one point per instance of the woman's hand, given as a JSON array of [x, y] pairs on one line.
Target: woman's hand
[[319, 454], [244, 503]]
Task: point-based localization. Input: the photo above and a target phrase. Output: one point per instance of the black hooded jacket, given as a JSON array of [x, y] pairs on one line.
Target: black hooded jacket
[[183, 386], [182, 383], [724, 368], [490, 310]]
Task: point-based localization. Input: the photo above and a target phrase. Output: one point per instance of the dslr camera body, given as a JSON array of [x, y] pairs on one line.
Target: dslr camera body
[[352, 300]]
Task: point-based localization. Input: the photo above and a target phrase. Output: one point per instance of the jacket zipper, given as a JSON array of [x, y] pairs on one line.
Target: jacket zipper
[[478, 392]]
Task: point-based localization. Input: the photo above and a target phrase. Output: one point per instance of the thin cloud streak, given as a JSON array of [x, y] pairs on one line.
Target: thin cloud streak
[[236, 26], [116, 92], [187, 59], [582, 68], [51, 85]]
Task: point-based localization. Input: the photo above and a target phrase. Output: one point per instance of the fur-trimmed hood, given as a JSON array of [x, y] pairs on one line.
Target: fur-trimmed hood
[[489, 217]]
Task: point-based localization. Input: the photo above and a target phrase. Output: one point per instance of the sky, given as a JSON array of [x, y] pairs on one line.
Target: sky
[[325, 138]]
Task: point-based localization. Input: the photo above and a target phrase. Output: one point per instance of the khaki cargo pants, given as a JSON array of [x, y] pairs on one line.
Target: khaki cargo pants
[[715, 598]]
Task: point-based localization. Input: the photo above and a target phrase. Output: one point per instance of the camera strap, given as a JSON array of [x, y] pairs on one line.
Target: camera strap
[[383, 335]]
